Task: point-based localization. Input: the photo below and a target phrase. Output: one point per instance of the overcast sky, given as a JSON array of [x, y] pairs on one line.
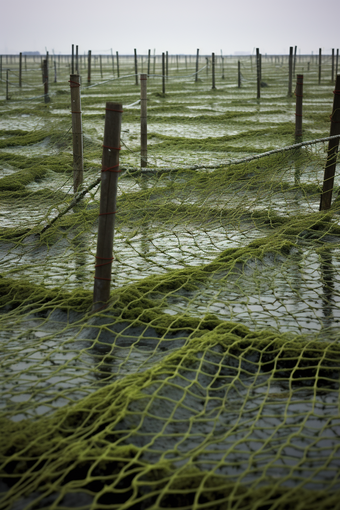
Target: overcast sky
[[177, 26]]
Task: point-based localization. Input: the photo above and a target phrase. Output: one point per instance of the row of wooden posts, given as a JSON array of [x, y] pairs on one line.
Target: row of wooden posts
[[110, 172], [165, 68]]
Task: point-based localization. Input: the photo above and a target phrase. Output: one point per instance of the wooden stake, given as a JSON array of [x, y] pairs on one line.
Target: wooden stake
[[136, 66], [77, 62], [258, 73], [0, 67], [45, 74], [333, 145], [7, 83], [55, 71], [290, 72], [239, 74], [163, 73], [20, 69], [89, 67], [298, 111], [222, 64], [108, 196], [149, 60], [294, 65], [197, 57], [213, 70], [320, 65], [72, 60], [336, 62], [167, 64], [113, 63], [117, 58], [101, 66], [77, 132], [332, 64], [143, 120]]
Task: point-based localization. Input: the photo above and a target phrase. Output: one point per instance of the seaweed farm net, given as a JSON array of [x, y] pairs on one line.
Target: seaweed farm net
[[211, 381]]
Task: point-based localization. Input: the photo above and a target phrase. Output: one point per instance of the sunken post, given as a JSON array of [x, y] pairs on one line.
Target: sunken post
[[108, 198], [333, 145], [143, 120], [77, 133]]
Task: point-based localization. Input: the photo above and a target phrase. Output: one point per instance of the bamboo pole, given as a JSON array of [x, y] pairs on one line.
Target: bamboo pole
[[298, 110], [163, 73], [7, 83], [77, 132], [333, 145], [117, 57], [143, 120], [258, 72], [149, 61], [290, 72], [136, 67], [239, 73], [113, 63], [320, 65], [213, 70], [89, 67], [20, 69], [72, 60], [108, 196], [45, 74], [197, 57]]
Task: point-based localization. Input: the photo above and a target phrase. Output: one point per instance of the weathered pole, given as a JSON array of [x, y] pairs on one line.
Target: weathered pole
[[45, 74], [20, 69], [320, 55], [333, 146], [332, 64], [136, 66], [101, 66], [77, 60], [108, 196], [163, 73], [89, 67], [167, 64], [117, 58], [197, 57], [213, 70], [290, 72], [77, 132], [7, 84], [55, 71], [149, 60], [298, 110], [258, 72], [72, 60], [113, 63], [294, 64], [336, 62], [143, 120], [239, 73]]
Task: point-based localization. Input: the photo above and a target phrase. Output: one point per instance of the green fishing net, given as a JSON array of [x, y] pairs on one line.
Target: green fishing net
[[211, 380]]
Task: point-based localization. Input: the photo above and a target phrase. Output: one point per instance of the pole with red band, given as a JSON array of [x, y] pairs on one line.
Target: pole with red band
[[333, 147], [108, 199]]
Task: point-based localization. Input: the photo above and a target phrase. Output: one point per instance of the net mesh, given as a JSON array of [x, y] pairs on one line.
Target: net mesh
[[212, 379]]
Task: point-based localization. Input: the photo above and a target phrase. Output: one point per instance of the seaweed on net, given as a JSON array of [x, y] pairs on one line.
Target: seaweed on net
[[212, 378]]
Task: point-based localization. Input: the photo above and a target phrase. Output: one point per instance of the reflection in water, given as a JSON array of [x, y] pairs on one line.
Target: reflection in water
[[327, 277], [79, 246]]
